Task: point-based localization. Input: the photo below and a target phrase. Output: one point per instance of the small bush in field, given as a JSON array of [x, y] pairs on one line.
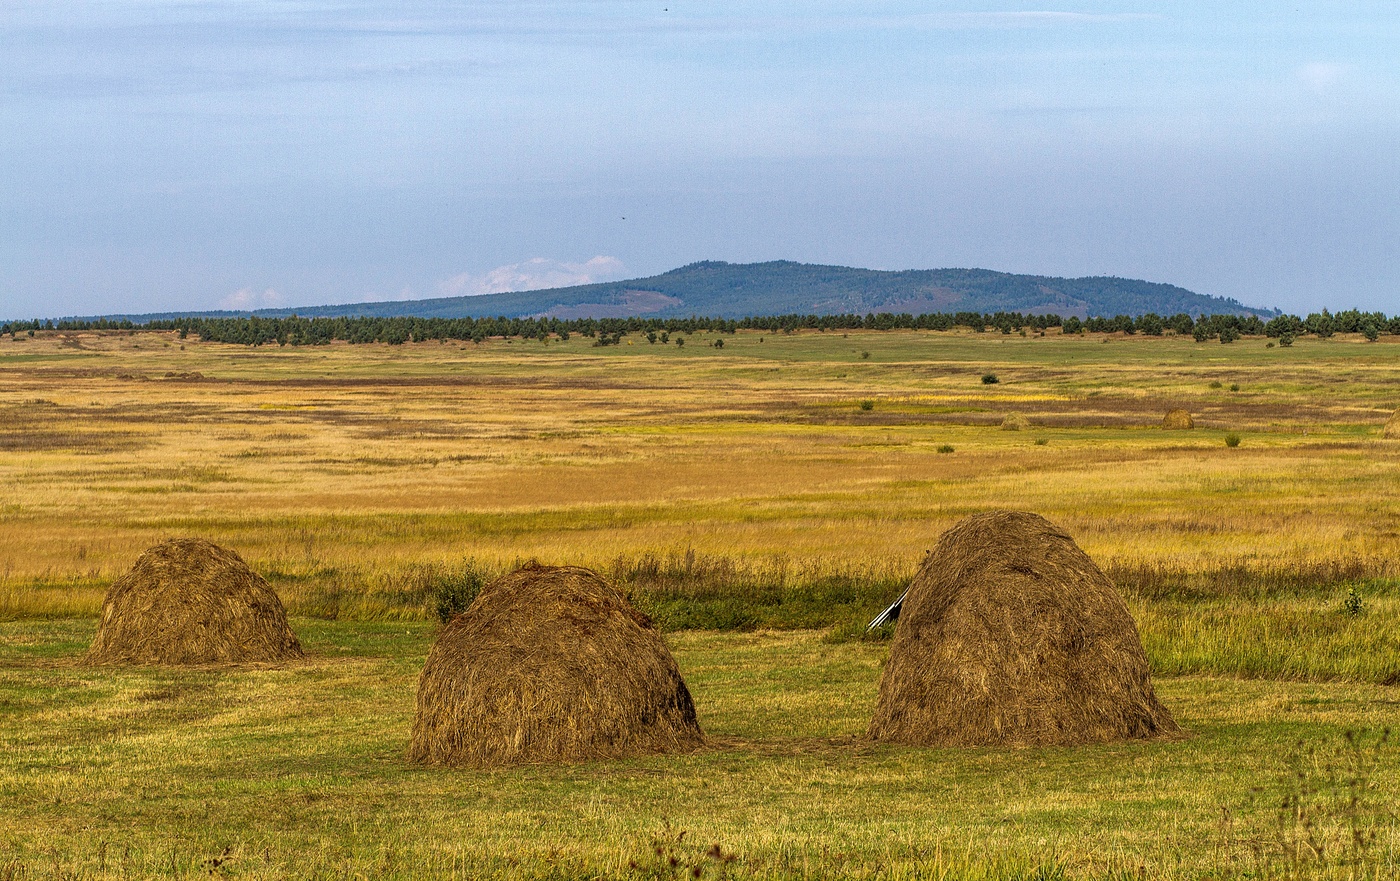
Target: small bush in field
[[1232, 440], [990, 379], [946, 448], [452, 592], [867, 404]]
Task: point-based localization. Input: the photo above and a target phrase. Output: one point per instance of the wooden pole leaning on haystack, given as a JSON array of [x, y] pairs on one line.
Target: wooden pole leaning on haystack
[[1010, 635], [190, 602], [550, 664]]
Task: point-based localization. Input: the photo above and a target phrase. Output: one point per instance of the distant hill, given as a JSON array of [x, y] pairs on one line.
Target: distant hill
[[735, 290]]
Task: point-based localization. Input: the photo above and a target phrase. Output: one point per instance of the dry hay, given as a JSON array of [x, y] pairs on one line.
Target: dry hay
[[1178, 420], [550, 664], [1009, 634], [1014, 422], [189, 601], [1392, 427]]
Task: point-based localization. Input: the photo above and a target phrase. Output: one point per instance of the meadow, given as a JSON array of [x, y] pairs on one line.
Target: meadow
[[760, 500]]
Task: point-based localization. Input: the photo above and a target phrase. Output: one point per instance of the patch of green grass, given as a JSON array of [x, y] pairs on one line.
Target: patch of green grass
[[300, 772]]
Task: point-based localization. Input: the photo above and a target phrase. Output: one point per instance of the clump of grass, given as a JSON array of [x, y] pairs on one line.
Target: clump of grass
[[1232, 440], [990, 379], [1234, 386], [1041, 441], [867, 404], [864, 356], [945, 448], [1215, 383]]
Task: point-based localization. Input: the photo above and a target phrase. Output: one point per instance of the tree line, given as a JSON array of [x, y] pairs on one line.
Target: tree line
[[298, 331]]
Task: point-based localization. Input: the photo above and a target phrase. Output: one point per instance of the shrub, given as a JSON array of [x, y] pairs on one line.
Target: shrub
[[864, 355], [1286, 340], [867, 404], [946, 448], [1232, 440], [1228, 334], [1040, 441], [451, 592], [990, 379], [719, 344], [1215, 384], [1352, 605], [1234, 386]]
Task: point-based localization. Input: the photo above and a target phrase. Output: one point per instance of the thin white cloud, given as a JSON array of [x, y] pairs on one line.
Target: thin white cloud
[[245, 299], [534, 274], [1027, 18], [1322, 77]]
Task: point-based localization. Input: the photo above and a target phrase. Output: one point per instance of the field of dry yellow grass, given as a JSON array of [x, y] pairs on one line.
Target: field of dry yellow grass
[[784, 486]]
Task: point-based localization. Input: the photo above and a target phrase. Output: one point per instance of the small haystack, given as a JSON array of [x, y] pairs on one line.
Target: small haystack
[[1178, 420], [1014, 422], [188, 601], [550, 664], [1392, 427], [1010, 634]]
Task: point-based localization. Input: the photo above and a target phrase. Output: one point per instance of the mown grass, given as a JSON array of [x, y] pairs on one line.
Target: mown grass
[[299, 772]]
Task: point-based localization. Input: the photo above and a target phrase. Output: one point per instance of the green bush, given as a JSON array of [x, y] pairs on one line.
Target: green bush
[[946, 448], [867, 404], [452, 592], [990, 379], [1232, 440]]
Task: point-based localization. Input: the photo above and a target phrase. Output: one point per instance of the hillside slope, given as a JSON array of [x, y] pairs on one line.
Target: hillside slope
[[735, 290]]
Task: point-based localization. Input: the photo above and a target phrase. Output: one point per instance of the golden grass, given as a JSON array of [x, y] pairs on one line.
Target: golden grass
[[318, 463]]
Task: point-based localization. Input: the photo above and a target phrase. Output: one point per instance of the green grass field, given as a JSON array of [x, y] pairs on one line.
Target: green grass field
[[299, 772], [748, 500]]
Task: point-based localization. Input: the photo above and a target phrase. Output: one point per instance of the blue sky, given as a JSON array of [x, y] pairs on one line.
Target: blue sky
[[184, 155]]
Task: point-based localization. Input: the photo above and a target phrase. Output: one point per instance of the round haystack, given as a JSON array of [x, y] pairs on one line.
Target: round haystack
[[188, 601], [1392, 427], [1014, 422], [1009, 634], [550, 664], [1178, 420]]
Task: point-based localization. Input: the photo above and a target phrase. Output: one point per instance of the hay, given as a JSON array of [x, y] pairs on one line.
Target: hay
[[188, 601], [1014, 422], [1178, 420], [1009, 634], [550, 664], [1392, 427]]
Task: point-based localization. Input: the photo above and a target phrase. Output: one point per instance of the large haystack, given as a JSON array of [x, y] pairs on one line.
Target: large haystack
[[1010, 634], [1014, 422], [1392, 427], [550, 664], [188, 601], [1178, 420]]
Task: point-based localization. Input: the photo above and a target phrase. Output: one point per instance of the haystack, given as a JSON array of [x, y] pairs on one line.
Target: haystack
[[1392, 427], [1013, 422], [1009, 634], [1178, 420], [188, 601], [550, 664]]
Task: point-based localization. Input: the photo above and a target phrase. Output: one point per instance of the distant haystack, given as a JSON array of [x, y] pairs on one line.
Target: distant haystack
[[188, 601], [1178, 420], [1010, 634], [1014, 422], [1392, 427], [550, 664]]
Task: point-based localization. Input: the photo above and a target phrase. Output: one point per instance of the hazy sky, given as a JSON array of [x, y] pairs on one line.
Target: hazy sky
[[180, 155]]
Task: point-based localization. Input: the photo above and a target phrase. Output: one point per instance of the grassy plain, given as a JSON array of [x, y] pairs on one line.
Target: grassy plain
[[738, 488]]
